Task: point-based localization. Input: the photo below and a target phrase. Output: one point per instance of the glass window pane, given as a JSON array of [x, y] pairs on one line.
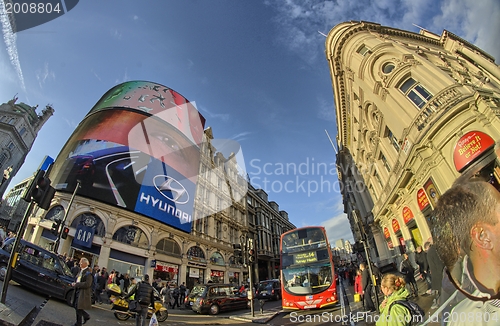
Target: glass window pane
[[413, 96], [425, 94], [407, 84]]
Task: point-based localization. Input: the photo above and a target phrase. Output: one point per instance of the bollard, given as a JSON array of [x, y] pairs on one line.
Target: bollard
[[262, 302]]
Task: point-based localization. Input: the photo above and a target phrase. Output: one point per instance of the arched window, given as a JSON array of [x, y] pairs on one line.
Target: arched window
[[217, 259], [131, 235], [168, 247], [90, 220], [415, 92], [196, 253], [56, 212]]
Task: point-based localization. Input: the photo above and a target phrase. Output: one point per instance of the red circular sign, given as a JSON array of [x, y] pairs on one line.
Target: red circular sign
[[469, 147]]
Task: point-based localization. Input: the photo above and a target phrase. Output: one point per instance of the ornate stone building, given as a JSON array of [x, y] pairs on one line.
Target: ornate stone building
[[19, 126], [414, 112], [268, 222]]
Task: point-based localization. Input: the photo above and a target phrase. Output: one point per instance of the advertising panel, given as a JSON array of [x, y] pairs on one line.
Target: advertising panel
[[422, 199], [137, 149], [469, 147], [407, 214]]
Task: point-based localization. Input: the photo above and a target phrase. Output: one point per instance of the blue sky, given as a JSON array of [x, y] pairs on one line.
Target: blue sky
[[256, 70]]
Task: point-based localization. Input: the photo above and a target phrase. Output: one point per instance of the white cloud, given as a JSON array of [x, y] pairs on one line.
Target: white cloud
[[299, 20], [43, 74], [10, 42], [222, 116], [338, 227]]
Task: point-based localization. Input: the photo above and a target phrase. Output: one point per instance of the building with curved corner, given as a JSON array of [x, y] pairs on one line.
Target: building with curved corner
[[414, 112]]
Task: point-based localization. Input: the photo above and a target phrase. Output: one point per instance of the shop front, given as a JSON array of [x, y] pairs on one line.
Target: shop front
[[387, 237], [411, 224], [168, 272], [397, 231], [234, 277], [195, 274], [124, 262], [217, 276]]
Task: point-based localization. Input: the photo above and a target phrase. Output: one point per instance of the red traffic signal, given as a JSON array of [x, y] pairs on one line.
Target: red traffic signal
[[65, 232]]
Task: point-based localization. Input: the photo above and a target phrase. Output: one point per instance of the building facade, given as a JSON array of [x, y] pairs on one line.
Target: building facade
[[19, 126], [267, 222], [414, 112]]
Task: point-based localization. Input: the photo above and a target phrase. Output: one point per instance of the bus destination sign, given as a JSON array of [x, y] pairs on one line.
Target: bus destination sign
[[305, 257]]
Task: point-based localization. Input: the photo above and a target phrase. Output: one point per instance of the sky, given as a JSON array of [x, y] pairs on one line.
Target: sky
[[255, 69]]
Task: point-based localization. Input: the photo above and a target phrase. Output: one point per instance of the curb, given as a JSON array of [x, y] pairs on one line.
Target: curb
[[262, 320]]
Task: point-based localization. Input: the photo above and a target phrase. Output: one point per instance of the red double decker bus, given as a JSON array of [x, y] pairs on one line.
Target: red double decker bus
[[307, 271]]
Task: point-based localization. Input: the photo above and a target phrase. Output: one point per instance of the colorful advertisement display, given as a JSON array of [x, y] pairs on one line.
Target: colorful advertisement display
[[395, 225], [431, 189], [138, 149], [387, 235], [469, 147]]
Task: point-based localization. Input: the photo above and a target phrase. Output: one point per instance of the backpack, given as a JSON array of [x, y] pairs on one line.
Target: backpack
[[416, 312]]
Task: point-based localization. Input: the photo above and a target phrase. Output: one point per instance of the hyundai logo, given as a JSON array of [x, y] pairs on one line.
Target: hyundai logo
[[171, 189]]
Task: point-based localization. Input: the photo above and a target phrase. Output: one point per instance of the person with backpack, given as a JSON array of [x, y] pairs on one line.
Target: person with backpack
[[182, 294], [143, 294], [396, 310]]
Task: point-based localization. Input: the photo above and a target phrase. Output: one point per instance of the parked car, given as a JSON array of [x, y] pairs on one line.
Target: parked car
[[270, 289], [213, 298], [38, 269]]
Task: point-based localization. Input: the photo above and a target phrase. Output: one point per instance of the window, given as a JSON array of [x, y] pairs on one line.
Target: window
[[363, 50], [388, 67], [22, 131], [415, 92], [11, 121], [386, 164], [393, 139], [168, 247], [11, 146], [377, 176]]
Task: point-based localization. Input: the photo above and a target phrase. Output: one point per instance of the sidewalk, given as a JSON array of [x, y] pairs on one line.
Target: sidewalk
[[19, 308], [258, 317]]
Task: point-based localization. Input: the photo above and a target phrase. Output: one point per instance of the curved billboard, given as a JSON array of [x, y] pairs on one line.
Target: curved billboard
[[138, 149]]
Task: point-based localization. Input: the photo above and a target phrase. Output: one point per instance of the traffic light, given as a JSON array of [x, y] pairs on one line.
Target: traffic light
[[41, 191], [55, 227], [251, 256], [65, 232], [238, 253]]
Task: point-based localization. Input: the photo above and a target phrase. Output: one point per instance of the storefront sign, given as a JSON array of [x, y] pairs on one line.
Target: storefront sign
[[217, 273], [194, 272], [422, 199], [407, 214], [166, 268], [83, 236], [387, 235], [395, 225], [469, 147]]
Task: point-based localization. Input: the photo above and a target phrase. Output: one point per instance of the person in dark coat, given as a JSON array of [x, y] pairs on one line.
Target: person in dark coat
[[423, 265], [83, 292], [436, 267], [143, 294], [366, 284], [408, 272], [75, 270]]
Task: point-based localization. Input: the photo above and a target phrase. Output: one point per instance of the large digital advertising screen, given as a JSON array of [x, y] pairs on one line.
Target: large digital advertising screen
[[138, 149]]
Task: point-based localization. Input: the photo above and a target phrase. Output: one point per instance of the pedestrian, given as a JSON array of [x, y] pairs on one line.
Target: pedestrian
[[466, 231], [391, 314], [82, 295], [101, 285], [166, 295], [423, 266], [75, 270], [358, 288], [175, 295], [366, 284], [144, 296], [182, 293], [436, 267], [408, 272]]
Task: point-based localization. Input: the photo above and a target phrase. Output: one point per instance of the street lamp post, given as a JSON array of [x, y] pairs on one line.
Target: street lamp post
[[66, 213]]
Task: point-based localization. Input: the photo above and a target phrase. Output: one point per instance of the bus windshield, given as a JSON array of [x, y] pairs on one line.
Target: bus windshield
[[312, 279]]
